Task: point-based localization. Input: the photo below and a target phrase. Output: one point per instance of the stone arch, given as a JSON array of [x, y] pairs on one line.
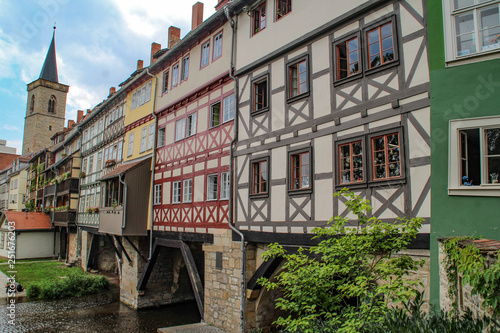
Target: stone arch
[[52, 104], [265, 307]]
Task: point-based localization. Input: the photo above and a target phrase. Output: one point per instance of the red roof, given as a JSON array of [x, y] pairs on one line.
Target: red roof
[[6, 160], [28, 220]]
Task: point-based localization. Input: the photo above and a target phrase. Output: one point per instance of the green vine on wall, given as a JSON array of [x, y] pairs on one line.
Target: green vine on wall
[[468, 262]]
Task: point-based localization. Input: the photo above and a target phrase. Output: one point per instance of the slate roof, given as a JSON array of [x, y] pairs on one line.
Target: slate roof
[[28, 220], [49, 69]]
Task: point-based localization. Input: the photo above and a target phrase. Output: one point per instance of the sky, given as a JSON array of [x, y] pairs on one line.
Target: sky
[[98, 43]]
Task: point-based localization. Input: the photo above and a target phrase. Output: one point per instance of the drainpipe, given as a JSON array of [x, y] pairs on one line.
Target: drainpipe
[[124, 215], [231, 167], [153, 165], [54, 211]]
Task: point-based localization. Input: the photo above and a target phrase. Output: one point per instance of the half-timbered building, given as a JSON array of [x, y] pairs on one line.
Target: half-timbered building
[[340, 100], [195, 107]]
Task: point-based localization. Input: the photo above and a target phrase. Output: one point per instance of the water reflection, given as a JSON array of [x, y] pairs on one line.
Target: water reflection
[[98, 313]]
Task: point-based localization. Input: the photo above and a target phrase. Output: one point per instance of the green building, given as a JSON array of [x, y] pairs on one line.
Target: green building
[[464, 64]]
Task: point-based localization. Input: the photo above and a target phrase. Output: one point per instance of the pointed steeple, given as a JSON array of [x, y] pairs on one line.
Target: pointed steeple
[[49, 69]]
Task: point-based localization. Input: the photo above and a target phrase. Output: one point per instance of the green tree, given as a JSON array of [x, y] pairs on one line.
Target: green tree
[[349, 279]]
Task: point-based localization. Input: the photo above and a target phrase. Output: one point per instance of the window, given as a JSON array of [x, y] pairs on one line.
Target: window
[[259, 177], [99, 161], [176, 192], [218, 45], [175, 75], [113, 193], [260, 93], [144, 135], [297, 78], [215, 114], [157, 196], [91, 164], [205, 54], [351, 162], [283, 7], [474, 167], [212, 187], [180, 129], [225, 186], [52, 104], [165, 81], [187, 188], [185, 68], [151, 134], [347, 53], [141, 96], [191, 125], [300, 170], [228, 108], [130, 144], [259, 18], [472, 27], [386, 162], [32, 104], [380, 45], [161, 137]]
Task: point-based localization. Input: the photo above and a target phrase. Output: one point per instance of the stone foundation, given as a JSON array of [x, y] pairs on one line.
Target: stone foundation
[[222, 282], [73, 245]]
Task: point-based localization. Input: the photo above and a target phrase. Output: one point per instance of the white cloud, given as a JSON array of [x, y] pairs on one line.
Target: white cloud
[[8, 127]]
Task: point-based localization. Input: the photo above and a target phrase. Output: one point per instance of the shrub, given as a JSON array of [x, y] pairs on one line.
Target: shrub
[[73, 286]]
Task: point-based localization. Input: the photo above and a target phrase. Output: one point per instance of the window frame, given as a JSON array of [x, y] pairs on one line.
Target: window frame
[[178, 137], [157, 194], [230, 114], [280, 16], [454, 184], [257, 18], [175, 75], [161, 143], [289, 85], [185, 68], [259, 80], [130, 147], [166, 74], [176, 196], [361, 49], [225, 186], [449, 13], [189, 192], [202, 56], [144, 139], [216, 177], [290, 178], [386, 162], [367, 154], [211, 119], [217, 43], [395, 45], [150, 140], [253, 162], [338, 161]]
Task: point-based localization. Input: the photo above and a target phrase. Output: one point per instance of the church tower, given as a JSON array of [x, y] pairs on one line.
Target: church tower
[[46, 105]]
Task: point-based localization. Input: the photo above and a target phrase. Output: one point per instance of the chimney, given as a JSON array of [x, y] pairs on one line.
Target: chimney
[[88, 111], [174, 36], [197, 17], [140, 64], [79, 116], [112, 90], [71, 123], [155, 47]]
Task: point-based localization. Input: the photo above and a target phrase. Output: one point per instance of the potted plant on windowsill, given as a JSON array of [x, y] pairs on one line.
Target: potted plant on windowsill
[[110, 163]]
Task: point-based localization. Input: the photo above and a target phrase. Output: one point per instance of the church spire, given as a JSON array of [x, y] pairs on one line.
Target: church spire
[[49, 69]]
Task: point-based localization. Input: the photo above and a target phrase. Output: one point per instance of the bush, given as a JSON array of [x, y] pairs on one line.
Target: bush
[[73, 286]]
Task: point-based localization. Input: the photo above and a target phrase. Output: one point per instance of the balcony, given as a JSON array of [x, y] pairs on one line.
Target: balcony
[[39, 194], [70, 185], [50, 190], [88, 220], [111, 222], [65, 218]]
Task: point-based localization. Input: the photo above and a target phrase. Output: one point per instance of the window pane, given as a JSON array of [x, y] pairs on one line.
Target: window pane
[[386, 30], [493, 169], [490, 28], [493, 141], [471, 164], [463, 3], [215, 115], [464, 27]]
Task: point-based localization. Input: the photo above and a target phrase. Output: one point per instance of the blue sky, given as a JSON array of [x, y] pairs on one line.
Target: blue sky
[[98, 44]]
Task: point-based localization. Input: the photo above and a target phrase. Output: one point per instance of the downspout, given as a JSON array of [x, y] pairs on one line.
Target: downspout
[[124, 205], [153, 165], [231, 167], [54, 210]]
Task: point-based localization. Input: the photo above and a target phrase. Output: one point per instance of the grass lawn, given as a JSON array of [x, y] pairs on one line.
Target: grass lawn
[[40, 272]]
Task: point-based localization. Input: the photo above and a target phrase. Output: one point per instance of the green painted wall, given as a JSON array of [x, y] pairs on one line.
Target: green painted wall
[[465, 91]]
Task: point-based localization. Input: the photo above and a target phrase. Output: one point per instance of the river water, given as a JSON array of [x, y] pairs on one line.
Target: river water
[[95, 313]]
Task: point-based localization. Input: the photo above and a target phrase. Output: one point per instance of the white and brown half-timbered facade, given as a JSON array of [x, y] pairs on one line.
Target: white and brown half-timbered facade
[[337, 101]]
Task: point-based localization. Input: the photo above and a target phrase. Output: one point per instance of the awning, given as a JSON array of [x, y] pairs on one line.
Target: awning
[[124, 168]]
